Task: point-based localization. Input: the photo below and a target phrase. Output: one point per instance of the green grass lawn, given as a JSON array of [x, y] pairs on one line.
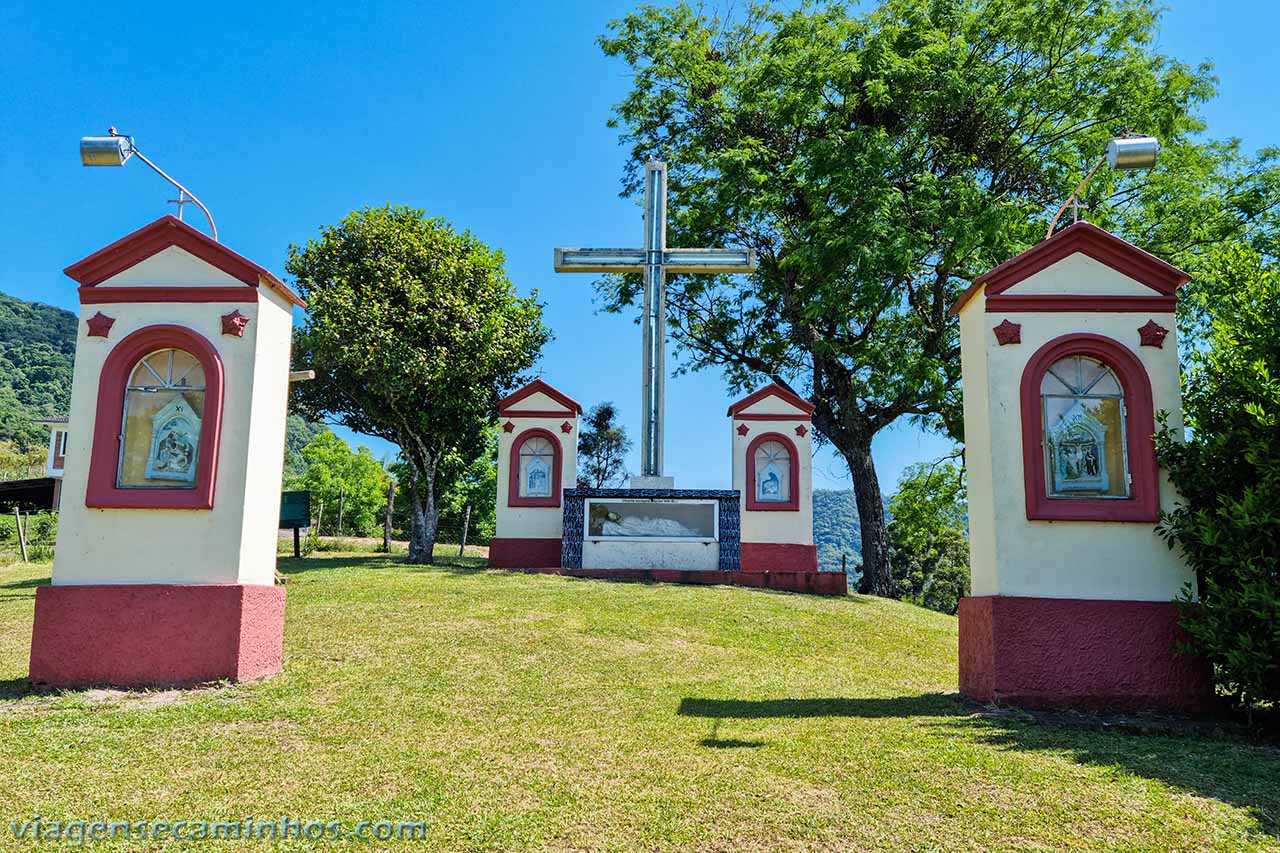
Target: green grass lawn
[[516, 711]]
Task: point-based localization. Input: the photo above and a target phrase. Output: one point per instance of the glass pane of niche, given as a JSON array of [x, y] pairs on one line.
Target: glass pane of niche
[[536, 460], [163, 408], [772, 472], [1084, 447], [642, 519]]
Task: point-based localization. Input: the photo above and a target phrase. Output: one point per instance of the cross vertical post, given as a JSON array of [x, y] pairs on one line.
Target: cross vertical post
[[654, 329], [655, 262]]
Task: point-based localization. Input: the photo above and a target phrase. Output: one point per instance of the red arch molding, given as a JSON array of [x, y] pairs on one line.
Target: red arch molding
[[513, 474], [104, 457], [1143, 503], [792, 503]]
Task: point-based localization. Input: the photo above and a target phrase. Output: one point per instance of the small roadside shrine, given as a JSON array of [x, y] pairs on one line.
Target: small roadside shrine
[[1068, 351], [757, 533], [164, 567]]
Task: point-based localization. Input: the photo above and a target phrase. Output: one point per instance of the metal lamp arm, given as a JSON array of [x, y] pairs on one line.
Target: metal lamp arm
[[181, 188], [1087, 178]]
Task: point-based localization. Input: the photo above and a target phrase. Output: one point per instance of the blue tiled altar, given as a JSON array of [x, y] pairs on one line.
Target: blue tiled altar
[[727, 501]]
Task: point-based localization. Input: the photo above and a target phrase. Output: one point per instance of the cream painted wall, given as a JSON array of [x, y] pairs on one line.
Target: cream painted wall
[[1009, 554], [792, 528], [172, 267], [235, 541], [528, 522], [1080, 274], [537, 402], [266, 435]]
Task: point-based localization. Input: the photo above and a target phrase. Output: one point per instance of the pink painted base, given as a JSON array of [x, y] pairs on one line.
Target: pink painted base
[[511, 553], [156, 634], [1059, 652], [816, 583], [776, 556]]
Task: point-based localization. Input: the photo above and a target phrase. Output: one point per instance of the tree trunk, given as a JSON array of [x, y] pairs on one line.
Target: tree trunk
[[876, 577], [341, 496], [424, 515], [386, 522]]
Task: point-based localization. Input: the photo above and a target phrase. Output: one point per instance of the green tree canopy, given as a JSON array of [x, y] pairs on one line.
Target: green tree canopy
[[1228, 475], [878, 163], [37, 346], [339, 477], [928, 536], [602, 448], [414, 331]]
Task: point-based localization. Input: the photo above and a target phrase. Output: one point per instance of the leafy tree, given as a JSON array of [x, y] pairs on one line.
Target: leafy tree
[[18, 463], [877, 164], [414, 330], [472, 485], [928, 536], [37, 345], [298, 434], [336, 474], [602, 449], [1228, 474], [835, 529]]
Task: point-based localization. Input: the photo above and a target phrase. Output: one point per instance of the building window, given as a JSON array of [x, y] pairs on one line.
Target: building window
[[160, 431], [773, 473], [157, 423], [772, 464], [1083, 416], [537, 457], [1087, 424], [535, 470]]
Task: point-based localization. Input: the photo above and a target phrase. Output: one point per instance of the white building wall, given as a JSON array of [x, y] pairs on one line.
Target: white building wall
[[775, 526], [1011, 555], [527, 522], [272, 336], [158, 545]]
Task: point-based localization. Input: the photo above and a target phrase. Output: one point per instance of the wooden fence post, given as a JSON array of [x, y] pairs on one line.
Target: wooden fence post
[[386, 523], [466, 522], [22, 537]]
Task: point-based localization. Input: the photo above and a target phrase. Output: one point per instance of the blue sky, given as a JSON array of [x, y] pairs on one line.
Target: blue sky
[[284, 116]]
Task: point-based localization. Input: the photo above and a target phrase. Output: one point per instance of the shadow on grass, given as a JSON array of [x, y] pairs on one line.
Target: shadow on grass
[[1228, 769], [16, 688], [924, 705], [290, 566], [730, 743], [27, 584]]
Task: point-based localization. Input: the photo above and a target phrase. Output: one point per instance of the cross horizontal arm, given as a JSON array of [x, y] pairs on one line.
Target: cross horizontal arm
[[600, 260], [711, 261]]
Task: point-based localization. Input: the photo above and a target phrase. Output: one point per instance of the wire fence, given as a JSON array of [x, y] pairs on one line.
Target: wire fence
[[27, 536]]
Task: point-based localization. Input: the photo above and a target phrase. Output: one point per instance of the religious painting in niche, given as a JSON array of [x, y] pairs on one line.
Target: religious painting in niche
[[1084, 430], [773, 472], [536, 458], [163, 412], [645, 519]]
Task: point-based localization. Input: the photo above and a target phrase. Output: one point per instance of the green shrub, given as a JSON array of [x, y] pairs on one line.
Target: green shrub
[[1228, 473], [928, 545]]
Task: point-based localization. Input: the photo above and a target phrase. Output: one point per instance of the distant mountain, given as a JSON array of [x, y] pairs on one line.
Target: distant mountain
[[37, 348], [835, 528]]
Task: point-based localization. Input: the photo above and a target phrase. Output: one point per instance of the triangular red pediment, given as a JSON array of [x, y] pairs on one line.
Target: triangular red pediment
[[1087, 239], [167, 231]]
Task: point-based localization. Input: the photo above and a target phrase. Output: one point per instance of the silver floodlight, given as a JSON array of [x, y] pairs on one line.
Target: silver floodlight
[[116, 148], [1124, 154], [105, 150], [1134, 152]]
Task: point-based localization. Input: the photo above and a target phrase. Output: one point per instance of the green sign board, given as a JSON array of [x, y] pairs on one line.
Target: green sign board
[[295, 509]]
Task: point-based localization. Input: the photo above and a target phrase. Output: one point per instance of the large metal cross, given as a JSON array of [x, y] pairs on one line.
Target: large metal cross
[[656, 261]]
